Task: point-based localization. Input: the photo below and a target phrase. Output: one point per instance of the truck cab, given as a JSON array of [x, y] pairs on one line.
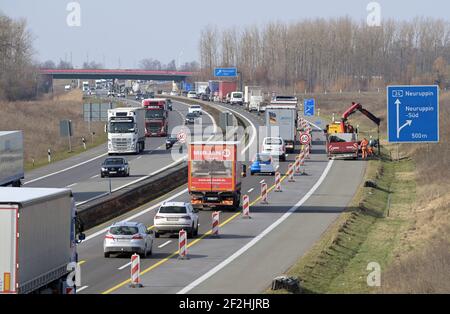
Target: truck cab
[[156, 116], [126, 130]]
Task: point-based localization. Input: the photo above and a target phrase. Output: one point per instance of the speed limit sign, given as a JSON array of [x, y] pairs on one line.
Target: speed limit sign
[[305, 138], [181, 137]]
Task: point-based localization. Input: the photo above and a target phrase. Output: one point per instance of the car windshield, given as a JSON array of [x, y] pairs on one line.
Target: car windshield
[[172, 210], [154, 114], [273, 141], [195, 107], [237, 95], [262, 157], [114, 161], [123, 230], [121, 127], [191, 115]]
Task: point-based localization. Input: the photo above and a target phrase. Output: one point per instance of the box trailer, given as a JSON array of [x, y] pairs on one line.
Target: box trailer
[[285, 118], [38, 229], [214, 174], [11, 158]]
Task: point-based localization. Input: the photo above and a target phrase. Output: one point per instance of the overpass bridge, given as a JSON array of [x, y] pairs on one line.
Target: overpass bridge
[[128, 74]]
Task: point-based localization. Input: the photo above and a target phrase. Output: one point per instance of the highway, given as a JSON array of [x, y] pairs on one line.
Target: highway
[[82, 173], [249, 252]]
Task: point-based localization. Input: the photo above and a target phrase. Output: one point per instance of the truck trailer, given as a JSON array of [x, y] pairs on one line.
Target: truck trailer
[[11, 158], [38, 240], [285, 118], [253, 98], [126, 130], [214, 174], [226, 87]]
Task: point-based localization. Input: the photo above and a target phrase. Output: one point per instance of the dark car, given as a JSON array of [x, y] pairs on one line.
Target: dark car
[[190, 118], [170, 141], [204, 97], [115, 166]]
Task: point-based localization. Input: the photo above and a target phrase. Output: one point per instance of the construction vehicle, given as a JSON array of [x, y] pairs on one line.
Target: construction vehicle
[[214, 179], [342, 137]]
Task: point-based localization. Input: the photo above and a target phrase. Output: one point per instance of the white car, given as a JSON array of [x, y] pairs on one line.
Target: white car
[[174, 93], [275, 147], [192, 95], [174, 216], [195, 109], [130, 237]]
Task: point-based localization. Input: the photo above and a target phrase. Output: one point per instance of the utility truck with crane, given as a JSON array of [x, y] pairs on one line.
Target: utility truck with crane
[[342, 137]]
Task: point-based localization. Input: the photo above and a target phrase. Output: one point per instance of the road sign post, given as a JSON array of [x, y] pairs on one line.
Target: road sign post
[[413, 114]]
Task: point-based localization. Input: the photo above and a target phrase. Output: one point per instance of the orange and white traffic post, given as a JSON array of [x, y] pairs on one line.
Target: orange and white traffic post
[[246, 207], [307, 151], [291, 173], [182, 244], [135, 271], [278, 182], [264, 193], [215, 223], [297, 165]]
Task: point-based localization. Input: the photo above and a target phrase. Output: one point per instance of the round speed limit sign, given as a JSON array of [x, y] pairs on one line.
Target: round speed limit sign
[[181, 137], [305, 138]]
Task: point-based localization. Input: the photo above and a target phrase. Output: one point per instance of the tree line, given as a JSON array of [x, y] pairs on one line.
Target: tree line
[[331, 54]]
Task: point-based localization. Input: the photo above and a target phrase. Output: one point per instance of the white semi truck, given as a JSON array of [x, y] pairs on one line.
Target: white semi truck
[[126, 130], [11, 158], [285, 118], [39, 233]]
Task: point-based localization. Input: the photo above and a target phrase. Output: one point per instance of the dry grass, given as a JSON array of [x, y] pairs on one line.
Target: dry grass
[[40, 119]]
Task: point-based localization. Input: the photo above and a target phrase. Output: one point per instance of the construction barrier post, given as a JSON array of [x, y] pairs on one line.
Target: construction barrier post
[[182, 244], [246, 207], [135, 271], [291, 172], [278, 182], [297, 165], [215, 223], [264, 193]]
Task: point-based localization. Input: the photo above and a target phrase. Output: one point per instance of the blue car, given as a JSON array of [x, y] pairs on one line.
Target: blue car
[[262, 164]]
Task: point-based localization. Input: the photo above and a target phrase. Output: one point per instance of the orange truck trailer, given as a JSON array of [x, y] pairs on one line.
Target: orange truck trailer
[[214, 174]]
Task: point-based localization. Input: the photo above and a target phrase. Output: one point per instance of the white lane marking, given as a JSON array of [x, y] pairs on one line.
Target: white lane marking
[[66, 169], [262, 181], [164, 244], [70, 185], [259, 236], [139, 157], [124, 266], [95, 176], [136, 215], [278, 166], [81, 289], [250, 191]]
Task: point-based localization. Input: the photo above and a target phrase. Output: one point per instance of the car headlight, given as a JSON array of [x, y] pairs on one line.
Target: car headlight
[[104, 169], [122, 168]]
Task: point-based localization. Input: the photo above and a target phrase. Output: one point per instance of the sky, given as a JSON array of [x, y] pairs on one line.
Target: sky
[[120, 33]]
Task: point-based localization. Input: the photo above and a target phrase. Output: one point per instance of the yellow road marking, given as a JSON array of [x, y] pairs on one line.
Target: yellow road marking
[[189, 245], [81, 262]]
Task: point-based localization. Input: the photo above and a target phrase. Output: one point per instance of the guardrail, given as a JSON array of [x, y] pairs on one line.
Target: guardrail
[[124, 200]]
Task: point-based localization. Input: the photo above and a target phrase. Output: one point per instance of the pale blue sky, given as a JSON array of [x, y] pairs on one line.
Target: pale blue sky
[[165, 30]]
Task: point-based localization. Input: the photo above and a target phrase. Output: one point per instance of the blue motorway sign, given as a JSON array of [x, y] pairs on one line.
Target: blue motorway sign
[[225, 72], [308, 107], [413, 114]]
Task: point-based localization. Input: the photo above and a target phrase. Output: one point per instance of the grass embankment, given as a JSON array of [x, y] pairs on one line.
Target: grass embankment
[[403, 225], [39, 121]]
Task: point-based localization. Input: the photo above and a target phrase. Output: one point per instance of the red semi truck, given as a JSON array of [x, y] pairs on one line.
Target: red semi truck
[[156, 116], [226, 87], [214, 174]]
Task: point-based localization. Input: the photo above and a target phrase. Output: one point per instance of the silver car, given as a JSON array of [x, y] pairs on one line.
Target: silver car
[[174, 216], [130, 237]]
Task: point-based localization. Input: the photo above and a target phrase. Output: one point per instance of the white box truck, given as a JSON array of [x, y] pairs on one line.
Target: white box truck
[[253, 97], [285, 117], [200, 87], [11, 158], [38, 239], [126, 130]]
